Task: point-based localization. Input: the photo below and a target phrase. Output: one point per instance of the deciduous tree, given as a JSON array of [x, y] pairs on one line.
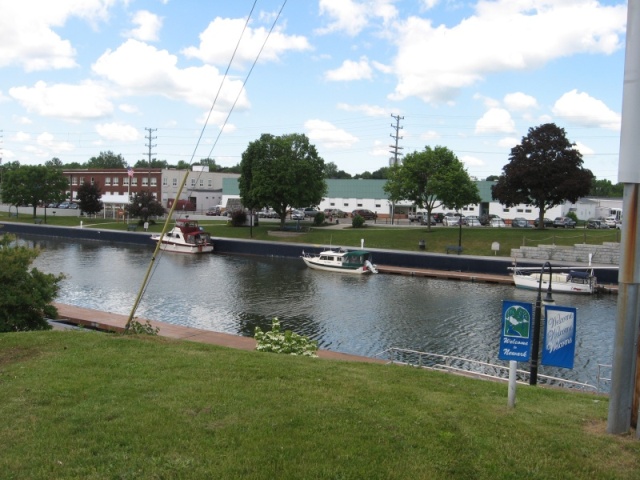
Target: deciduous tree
[[432, 178], [33, 185], [88, 197], [107, 159], [25, 295], [281, 172], [544, 170], [144, 205]]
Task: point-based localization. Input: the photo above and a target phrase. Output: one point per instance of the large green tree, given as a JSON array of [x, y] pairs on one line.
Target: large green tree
[[88, 197], [25, 295], [33, 185], [604, 188], [281, 172], [432, 178], [544, 170], [107, 159]]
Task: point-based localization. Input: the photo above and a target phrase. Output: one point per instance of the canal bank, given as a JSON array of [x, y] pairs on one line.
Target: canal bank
[[467, 266]]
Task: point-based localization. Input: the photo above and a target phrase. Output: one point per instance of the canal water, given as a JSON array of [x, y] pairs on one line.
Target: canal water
[[355, 314]]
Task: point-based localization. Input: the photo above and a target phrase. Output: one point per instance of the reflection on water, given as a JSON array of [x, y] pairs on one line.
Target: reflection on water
[[355, 314]]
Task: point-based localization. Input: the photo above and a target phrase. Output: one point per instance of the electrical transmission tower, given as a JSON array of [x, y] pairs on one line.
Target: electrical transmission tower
[[395, 149]]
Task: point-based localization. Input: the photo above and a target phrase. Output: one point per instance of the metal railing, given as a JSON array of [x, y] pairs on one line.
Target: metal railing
[[476, 368]]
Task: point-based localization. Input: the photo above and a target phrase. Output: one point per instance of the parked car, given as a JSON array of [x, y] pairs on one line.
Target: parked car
[[486, 219], [564, 222], [297, 215], [364, 213], [520, 222], [438, 217], [597, 223], [612, 222], [310, 212], [424, 220], [547, 222], [213, 211], [74, 205], [472, 222], [451, 220], [335, 212], [63, 205], [498, 223]]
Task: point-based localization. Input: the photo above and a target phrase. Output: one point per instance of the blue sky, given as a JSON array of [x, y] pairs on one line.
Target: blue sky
[[78, 77]]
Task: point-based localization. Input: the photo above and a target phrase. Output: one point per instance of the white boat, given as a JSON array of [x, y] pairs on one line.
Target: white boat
[[571, 281], [355, 261], [185, 237]]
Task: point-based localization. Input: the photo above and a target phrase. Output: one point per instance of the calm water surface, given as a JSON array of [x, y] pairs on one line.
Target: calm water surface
[[361, 315]]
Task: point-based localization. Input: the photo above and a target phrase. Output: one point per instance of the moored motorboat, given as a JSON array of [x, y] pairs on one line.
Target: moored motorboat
[[344, 261], [185, 237], [569, 281]]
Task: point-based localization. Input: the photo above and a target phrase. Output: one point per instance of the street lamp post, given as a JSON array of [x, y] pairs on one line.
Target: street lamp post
[[535, 343]]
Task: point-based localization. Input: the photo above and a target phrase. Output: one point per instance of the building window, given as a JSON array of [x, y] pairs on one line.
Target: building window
[[359, 203], [527, 210], [201, 182], [193, 182], [93, 180], [74, 180], [175, 182], [209, 183], [505, 210], [332, 204], [134, 181], [107, 181], [115, 181], [519, 210], [345, 204], [145, 181], [377, 205], [125, 181], [154, 181], [81, 180], [165, 182]]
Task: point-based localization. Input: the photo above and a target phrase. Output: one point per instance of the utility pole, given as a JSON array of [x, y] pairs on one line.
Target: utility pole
[[395, 152], [150, 146]]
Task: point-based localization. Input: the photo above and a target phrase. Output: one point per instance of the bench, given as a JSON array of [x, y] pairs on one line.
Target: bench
[[131, 227], [38, 221], [453, 248]]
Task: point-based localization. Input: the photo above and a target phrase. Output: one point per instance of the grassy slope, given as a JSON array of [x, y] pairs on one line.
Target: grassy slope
[[476, 241], [87, 405]]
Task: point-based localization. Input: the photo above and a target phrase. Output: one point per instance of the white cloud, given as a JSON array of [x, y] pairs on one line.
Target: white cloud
[[27, 31], [430, 135], [141, 69], [69, 102], [435, 62], [583, 149], [350, 70], [118, 131], [21, 137], [487, 101], [581, 109], [495, 120], [368, 110], [519, 101], [218, 42], [126, 108], [21, 120], [148, 26], [351, 17], [380, 149], [47, 140], [329, 135], [471, 161]]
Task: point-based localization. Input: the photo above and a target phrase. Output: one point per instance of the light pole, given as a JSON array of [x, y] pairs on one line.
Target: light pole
[[537, 325]]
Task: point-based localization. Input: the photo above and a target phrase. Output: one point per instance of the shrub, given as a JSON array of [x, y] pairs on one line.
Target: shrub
[[238, 218], [137, 328], [357, 222], [573, 216], [318, 219], [288, 342]]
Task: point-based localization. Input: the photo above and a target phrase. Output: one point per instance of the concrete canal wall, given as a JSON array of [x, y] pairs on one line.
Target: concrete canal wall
[[396, 258]]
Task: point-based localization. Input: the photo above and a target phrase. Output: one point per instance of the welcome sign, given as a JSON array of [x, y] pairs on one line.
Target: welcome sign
[[515, 338], [559, 336]]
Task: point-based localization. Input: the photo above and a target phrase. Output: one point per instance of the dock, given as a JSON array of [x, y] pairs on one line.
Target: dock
[[114, 322], [446, 275]]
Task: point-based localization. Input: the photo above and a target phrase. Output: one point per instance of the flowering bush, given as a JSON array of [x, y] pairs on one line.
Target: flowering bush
[[288, 342]]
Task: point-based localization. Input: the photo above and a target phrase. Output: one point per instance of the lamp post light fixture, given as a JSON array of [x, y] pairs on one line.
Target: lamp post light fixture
[[537, 324]]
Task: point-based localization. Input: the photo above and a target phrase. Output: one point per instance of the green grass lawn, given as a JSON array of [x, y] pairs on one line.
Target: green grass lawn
[[475, 241], [86, 405]]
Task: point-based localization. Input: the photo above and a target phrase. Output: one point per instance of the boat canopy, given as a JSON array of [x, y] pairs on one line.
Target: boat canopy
[[356, 253], [575, 274]]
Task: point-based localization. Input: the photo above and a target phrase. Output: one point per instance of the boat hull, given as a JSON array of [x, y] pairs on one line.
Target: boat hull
[[175, 247], [309, 261], [531, 283]]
